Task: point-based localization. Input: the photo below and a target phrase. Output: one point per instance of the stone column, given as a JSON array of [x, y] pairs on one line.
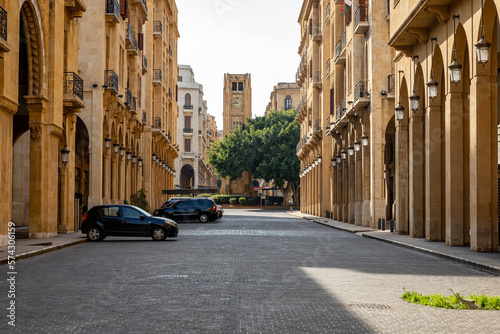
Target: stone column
[[454, 166], [67, 175], [433, 166], [358, 163], [114, 178], [416, 177], [366, 220], [121, 171], [106, 177], [483, 165], [401, 179]]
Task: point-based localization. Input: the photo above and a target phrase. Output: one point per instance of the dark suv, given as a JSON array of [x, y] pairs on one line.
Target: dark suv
[[125, 220], [220, 210], [202, 209]]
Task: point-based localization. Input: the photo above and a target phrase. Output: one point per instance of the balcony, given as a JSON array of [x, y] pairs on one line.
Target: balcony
[[143, 6], [317, 80], [299, 77], [316, 126], [170, 52], [188, 107], [361, 23], [73, 90], [327, 74], [170, 94], [156, 123], [144, 64], [128, 98], [112, 11], [4, 46], [327, 15], [340, 50], [187, 131], [391, 86], [130, 40], [330, 123], [157, 29], [157, 77], [341, 110], [317, 32], [362, 94], [143, 117], [111, 81]]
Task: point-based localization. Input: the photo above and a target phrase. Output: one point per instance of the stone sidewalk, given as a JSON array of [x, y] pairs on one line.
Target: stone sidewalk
[[30, 247], [488, 262]]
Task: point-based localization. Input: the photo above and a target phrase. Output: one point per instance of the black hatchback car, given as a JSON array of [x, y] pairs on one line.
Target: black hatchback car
[[201, 209], [125, 220]]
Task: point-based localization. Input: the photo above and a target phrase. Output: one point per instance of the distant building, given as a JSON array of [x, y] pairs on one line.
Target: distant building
[[284, 96], [196, 131]]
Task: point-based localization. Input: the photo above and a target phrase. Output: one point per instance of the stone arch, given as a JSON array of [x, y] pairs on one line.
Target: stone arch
[[187, 176], [82, 166], [390, 168], [30, 16]]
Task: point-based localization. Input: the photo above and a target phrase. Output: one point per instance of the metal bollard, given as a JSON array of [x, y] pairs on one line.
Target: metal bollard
[[379, 223], [383, 224], [392, 226]]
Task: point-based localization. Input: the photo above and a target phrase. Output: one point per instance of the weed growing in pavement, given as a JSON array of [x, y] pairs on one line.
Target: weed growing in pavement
[[454, 301]]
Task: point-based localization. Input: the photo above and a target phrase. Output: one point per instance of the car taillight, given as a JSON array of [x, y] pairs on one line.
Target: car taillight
[[214, 208], [84, 218], [155, 213]]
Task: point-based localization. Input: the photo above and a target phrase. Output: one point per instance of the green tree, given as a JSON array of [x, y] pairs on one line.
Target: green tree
[[139, 199], [266, 146]]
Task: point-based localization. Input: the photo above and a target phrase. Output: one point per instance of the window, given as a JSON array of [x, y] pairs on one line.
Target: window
[[109, 212], [187, 122], [187, 99], [130, 213], [288, 102], [187, 145], [179, 79], [235, 86], [240, 86]]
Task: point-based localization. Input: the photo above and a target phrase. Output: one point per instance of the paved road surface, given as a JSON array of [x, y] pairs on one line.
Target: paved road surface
[[251, 272]]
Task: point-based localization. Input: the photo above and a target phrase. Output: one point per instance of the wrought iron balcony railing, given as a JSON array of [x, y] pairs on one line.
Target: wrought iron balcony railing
[[327, 14], [316, 126], [188, 130], [113, 10], [157, 28], [361, 90], [317, 79], [157, 77], [361, 15], [3, 24], [340, 46], [133, 105], [188, 107], [128, 98], [327, 68], [317, 32], [170, 94], [157, 122], [130, 39], [143, 116], [391, 84], [341, 109], [144, 64], [111, 80], [73, 84]]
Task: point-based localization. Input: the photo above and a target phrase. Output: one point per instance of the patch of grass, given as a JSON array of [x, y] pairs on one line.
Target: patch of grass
[[454, 301]]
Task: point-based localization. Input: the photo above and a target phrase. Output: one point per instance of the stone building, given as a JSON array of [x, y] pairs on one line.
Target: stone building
[[41, 95], [387, 131], [285, 96], [130, 63], [237, 110], [193, 133]]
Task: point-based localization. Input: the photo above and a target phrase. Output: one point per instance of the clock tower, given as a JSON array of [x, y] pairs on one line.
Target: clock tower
[[237, 110], [237, 101]]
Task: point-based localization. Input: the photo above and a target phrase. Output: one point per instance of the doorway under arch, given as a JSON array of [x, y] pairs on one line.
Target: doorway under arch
[[187, 177]]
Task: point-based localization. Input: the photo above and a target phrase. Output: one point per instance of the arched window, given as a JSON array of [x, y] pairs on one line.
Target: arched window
[[187, 100], [288, 102]]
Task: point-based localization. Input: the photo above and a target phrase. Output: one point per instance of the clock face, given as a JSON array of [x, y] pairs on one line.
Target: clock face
[[237, 103]]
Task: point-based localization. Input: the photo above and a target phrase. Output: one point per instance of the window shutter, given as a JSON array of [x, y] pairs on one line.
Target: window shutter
[[140, 41], [124, 8]]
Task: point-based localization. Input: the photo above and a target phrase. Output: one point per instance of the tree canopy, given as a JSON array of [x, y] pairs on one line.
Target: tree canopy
[[265, 146]]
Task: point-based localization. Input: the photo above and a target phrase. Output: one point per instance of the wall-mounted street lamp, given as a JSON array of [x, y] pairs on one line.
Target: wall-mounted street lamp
[[116, 147], [65, 154], [122, 150], [107, 142], [365, 140], [350, 150], [483, 46], [400, 112], [415, 98], [343, 153], [129, 155], [339, 159], [140, 162], [134, 158], [334, 162], [357, 146], [455, 67]]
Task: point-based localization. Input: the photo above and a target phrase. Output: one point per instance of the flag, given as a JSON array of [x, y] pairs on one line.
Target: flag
[[347, 5]]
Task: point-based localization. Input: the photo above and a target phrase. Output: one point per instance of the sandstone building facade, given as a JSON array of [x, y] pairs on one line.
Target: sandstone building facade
[[194, 134], [387, 131], [285, 96], [84, 112], [237, 109]]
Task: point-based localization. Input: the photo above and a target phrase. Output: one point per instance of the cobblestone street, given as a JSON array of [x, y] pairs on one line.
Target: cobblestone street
[[250, 272]]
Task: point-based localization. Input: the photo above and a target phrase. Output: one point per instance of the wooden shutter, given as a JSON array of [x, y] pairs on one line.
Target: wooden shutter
[[124, 8], [140, 41]]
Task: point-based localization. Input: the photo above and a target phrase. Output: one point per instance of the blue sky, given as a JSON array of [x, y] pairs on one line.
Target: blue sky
[[260, 37]]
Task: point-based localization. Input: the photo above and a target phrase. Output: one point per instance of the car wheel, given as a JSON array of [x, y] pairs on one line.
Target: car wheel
[[158, 234], [95, 234], [203, 218]]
